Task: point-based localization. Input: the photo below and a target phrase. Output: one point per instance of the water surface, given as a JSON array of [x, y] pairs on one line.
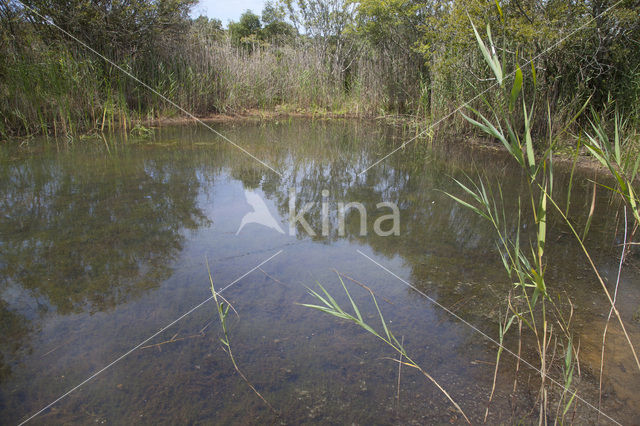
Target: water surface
[[103, 243]]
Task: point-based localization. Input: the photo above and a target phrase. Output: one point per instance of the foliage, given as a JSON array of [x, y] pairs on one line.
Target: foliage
[[534, 296], [619, 157], [246, 31], [115, 27], [415, 57], [586, 66], [392, 30]]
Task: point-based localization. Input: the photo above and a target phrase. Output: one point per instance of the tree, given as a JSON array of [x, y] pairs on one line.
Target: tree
[[273, 13], [114, 27], [393, 29], [276, 30], [246, 31], [208, 28], [326, 22]]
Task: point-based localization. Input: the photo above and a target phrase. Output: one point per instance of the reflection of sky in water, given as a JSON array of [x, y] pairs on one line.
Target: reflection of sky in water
[[137, 262]]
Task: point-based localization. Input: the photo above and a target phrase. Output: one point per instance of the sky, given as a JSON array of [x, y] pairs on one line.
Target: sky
[[227, 10]]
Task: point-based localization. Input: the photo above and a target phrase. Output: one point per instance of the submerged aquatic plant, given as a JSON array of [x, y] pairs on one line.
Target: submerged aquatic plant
[[329, 306]]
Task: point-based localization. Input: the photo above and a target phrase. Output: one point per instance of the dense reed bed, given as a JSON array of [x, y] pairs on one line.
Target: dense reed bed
[[364, 58]]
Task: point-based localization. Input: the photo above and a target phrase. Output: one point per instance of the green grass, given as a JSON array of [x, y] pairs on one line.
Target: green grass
[[532, 299], [328, 305]]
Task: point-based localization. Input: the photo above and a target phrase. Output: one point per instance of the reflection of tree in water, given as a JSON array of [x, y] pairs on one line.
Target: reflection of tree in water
[[449, 251], [442, 242], [439, 239], [87, 235], [84, 233], [80, 234], [13, 331], [249, 176], [410, 185]]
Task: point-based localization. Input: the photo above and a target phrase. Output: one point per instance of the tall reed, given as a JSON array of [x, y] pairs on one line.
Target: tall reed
[[533, 300], [62, 89]]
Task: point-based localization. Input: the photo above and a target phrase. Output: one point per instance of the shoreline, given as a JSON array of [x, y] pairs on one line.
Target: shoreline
[[477, 143], [583, 163], [264, 115]]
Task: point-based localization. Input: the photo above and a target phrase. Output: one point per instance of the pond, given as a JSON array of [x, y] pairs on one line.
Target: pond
[[105, 301]]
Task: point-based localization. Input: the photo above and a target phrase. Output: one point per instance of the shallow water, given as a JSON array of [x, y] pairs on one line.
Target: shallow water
[[103, 244]]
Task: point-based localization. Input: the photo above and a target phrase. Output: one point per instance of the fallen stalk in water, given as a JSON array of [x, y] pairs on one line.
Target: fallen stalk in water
[[223, 311], [172, 340]]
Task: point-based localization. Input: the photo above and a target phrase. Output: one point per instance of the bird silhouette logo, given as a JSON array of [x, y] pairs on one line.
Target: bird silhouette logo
[[260, 213]]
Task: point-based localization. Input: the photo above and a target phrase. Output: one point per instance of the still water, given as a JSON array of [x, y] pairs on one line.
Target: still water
[[104, 243]]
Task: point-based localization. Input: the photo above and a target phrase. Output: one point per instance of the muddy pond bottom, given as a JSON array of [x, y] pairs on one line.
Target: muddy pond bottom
[[106, 306]]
